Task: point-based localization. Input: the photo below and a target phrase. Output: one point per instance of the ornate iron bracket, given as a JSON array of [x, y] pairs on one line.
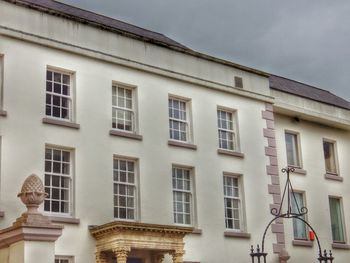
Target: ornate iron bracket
[[298, 214]]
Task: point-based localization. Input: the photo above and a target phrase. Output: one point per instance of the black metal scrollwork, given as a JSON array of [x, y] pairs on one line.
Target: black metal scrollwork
[[296, 213]]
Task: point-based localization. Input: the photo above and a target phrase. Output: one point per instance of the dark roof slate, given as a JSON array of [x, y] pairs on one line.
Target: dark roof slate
[[307, 91], [83, 16], [99, 20]]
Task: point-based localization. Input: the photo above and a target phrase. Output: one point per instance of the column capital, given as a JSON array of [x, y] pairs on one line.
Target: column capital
[[100, 257], [178, 256], [121, 253]]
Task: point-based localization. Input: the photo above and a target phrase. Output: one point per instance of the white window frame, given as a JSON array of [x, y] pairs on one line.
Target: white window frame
[[70, 98], [187, 122], [336, 165], [135, 185], [191, 194], [296, 149], [70, 177], [61, 258], [342, 218], [132, 110], [233, 131], [2, 76], [241, 203], [302, 193]]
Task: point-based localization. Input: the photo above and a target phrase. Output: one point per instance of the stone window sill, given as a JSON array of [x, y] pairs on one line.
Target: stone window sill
[[126, 134], [298, 170], [197, 231], [182, 144], [67, 220], [237, 234], [230, 153], [302, 243], [61, 123], [2, 214], [3, 113], [333, 177], [340, 246]]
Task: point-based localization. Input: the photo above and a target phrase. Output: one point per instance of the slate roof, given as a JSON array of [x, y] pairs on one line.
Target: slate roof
[[87, 17], [307, 91], [83, 16], [75, 13]]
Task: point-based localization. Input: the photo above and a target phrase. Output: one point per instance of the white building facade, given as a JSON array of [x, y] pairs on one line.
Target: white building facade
[[131, 131]]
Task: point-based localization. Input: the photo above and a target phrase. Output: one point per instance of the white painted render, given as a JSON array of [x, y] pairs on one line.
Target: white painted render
[[32, 41], [316, 187], [24, 137]]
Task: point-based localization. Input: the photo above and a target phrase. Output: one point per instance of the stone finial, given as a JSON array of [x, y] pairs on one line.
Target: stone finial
[[31, 225], [32, 193]]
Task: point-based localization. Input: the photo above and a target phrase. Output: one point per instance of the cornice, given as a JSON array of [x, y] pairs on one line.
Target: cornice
[[119, 226]]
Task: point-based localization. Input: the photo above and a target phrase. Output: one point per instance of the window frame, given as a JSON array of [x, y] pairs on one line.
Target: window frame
[[62, 257], [335, 149], [71, 201], [241, 198], [234, 114], [193, 214], [303, 195], [136, 185], [297, 149], [342, 218], [2, 77], [187, 122], [133, 110], [72, 93]]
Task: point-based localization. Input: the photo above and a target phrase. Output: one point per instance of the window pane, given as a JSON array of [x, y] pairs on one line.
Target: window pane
[[226, 130], [124, 189], [49, 86], [232, 203], [177, 123], [182, 195], [48, 75], [336, 220], [122, 102], [66, 79], [58, 95], [57, 180], [299, 227], [292, 149], [329, 156]]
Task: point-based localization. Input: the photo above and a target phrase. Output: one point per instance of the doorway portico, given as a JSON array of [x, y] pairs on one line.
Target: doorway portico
[[122, 240]]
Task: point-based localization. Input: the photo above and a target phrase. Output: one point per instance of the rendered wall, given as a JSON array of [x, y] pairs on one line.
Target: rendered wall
[[24, 138], [207, 84], [83, 38], [317, 188]]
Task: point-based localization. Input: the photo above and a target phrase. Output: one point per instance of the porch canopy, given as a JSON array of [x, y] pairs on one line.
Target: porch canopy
[[120, 237]]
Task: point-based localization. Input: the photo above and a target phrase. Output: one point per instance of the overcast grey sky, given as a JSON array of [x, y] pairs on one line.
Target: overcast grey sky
[[305, 40]]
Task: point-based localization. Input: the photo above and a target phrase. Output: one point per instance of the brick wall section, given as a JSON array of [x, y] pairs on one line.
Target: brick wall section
[[272, 171]]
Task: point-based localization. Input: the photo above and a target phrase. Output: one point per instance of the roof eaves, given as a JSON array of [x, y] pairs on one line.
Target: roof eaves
[[179, 47], [339, 105], [82, 20]]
